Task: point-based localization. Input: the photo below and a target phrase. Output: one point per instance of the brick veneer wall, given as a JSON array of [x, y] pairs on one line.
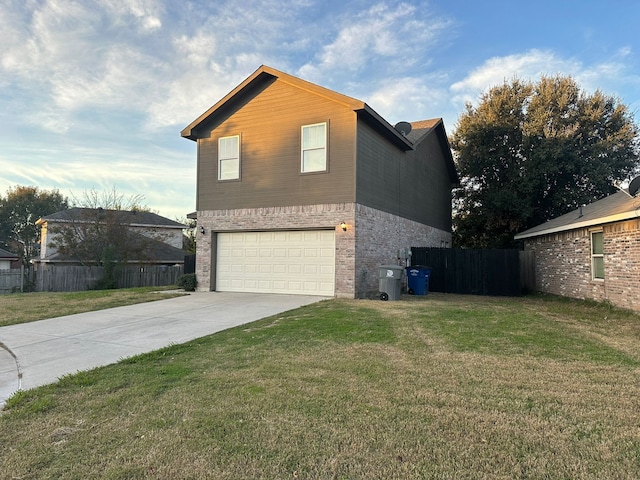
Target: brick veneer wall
[[622, 263], [304, 217], [372, 238], [563, 264], [379, 236]]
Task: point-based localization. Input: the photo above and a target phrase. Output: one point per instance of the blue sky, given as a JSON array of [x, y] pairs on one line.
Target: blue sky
[[94, 93]]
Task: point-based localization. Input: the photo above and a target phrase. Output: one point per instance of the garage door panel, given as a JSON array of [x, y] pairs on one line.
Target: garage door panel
[[301, 262], [294, 269]]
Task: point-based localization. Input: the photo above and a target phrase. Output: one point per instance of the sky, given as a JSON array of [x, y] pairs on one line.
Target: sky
[[94, 93]]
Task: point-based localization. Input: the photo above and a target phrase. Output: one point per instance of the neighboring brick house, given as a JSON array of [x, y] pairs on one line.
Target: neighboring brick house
[[591, 253], [304, 190], [160, 238]]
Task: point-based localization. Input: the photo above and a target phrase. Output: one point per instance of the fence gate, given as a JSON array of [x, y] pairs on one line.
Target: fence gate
[[477, 272]]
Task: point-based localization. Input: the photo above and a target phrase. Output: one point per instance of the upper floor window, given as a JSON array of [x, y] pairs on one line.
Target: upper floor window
[[229, 158], [314, 148], [597, 255]]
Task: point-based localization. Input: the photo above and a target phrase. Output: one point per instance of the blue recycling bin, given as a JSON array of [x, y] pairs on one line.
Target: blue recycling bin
[[418, 279]]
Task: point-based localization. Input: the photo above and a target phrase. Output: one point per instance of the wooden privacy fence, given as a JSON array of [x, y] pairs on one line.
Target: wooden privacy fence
[[477, 272], [78, 278], [190, 263], [12, 280]]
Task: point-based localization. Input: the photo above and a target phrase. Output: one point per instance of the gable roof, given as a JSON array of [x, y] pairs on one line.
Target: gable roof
[[262, 78], [617, 207], [6, 255], [126, 217], [422, 129]]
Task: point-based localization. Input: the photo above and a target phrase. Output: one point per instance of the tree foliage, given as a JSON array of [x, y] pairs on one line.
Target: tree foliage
[[532, 151], [190, 237], [19, 211], [99, 233]]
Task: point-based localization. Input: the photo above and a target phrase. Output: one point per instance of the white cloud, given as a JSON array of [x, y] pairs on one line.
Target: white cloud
[[410, 98], [80, 54], [145, 12], [381, 40], [533, 64]]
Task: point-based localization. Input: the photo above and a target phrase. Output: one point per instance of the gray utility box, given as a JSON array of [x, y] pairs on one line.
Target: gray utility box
[[390, 281]]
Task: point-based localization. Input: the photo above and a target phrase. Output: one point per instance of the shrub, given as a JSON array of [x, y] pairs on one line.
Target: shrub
[[188, 282]]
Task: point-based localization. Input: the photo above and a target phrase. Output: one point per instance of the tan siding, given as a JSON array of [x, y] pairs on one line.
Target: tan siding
[[270, 128], [378, 173], [430, 199], [413, 184]]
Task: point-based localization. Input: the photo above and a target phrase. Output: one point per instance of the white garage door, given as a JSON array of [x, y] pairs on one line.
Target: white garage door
[[293, 262]]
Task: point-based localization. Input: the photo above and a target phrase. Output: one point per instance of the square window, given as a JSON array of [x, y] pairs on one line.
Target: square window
[[229, 158], [314, 148]]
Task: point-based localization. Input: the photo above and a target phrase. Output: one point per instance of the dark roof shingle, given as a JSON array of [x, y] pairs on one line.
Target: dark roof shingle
[[128, 217]]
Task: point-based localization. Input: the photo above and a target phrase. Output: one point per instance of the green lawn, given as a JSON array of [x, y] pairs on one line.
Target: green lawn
[[29, 307], [442, 386]]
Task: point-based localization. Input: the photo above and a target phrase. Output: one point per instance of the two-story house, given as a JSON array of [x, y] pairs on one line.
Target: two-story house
[[159, 238], [303, 190]]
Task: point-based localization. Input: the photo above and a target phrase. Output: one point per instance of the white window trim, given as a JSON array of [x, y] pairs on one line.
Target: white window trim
[[302, 149], [220, 159], [596, 255]]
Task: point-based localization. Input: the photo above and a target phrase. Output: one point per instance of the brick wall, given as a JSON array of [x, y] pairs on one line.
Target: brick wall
[[378, 235], [622, 264], [302, 217], [563, 264]]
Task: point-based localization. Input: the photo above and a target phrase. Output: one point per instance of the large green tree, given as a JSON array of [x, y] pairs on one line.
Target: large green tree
[[19, 211], [532, 151]]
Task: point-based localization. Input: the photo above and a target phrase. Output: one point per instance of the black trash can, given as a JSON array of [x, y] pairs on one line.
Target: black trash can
[[418, 279]]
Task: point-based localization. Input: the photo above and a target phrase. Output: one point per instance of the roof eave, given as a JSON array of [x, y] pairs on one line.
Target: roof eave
[[576, 225], [441, 132], [190, 130], [262, 75], [384, 127]]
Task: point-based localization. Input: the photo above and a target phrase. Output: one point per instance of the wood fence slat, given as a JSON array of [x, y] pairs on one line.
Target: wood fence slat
[[79, 278], [10, 280]]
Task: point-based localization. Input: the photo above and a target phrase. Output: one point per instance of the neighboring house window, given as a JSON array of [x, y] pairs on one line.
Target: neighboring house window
[[314, 148], [229, 158], [597, 256]]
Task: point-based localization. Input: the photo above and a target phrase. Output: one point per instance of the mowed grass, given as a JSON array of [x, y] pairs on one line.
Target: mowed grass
[[442, 386], [29, 307]]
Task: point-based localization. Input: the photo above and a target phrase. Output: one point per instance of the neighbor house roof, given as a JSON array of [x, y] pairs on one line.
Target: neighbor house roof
[[126, 217], [6, 255], [262, 78], [617, 207]]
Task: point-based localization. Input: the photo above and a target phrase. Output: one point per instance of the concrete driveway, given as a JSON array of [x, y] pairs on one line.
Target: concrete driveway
[[38, 353]]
